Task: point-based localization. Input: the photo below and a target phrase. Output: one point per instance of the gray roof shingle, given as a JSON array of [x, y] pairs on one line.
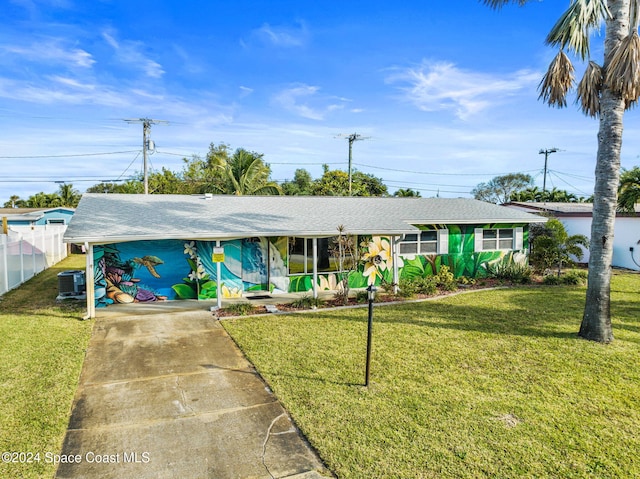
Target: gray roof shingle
[[106, 218]]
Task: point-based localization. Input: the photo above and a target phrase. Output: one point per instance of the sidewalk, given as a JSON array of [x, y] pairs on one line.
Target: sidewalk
[[170, 395]]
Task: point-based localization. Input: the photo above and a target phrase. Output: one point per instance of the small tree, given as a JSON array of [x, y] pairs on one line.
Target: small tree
[[501, 188], [343, 250], [553, 247]]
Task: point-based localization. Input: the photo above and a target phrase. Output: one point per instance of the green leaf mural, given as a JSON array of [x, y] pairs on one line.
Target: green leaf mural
[[184, 291]]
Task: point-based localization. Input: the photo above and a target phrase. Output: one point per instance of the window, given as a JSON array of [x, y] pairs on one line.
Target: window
[[425, 242], [498, 239], [56, 221], [301, 255]]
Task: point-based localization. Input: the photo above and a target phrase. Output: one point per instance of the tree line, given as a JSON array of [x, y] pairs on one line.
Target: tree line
[[244, 172], [223, 171]]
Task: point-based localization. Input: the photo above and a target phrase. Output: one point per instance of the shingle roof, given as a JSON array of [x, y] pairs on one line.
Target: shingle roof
[[564, 209], [105, 218]]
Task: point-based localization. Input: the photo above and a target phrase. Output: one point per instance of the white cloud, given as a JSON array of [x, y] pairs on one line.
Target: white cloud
[[51, 50], [282, 36], [245, 91], [129, 52], [297, 98], [434, 86]]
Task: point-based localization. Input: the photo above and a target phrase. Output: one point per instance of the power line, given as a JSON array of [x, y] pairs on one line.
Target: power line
[[66, 156], [435, 174]]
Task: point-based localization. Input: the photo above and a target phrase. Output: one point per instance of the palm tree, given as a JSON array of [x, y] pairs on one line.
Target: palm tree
[[246, 174], [555, 247], [404, 193], [605, 92], [14, 202], [629, 190], [68, 195]]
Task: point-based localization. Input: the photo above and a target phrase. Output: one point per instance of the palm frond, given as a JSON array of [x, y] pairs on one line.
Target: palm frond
[[557, 81], [634, 15], [589, 90], [623, 71], [573, 28], [497, 4]]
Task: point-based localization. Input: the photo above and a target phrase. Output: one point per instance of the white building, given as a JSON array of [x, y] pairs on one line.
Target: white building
[[576, 218]]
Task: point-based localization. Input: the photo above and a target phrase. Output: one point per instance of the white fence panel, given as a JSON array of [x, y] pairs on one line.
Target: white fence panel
[[27, 251]]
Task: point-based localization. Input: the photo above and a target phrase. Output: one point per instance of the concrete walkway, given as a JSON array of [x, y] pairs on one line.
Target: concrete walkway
[[170, 395]]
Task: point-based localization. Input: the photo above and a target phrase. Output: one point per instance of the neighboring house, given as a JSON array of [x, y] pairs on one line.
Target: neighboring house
[[37, 216], [576, 218], [156, 247]]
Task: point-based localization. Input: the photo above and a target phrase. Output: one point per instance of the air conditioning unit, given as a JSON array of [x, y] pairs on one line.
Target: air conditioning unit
[[71, 284]]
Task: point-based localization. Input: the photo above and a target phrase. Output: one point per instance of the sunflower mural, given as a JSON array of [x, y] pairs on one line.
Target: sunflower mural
[[378, 260]]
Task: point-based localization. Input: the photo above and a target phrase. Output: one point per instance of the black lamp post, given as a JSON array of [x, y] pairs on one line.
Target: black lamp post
[[371, 294]]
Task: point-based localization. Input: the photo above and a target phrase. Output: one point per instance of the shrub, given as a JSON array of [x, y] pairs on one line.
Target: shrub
[[551, 279], [575, 276], [510, 271], [571, 277], [241, 309], [305, 302], [426, 285], [407, 288], [466, 280], [445, 280]]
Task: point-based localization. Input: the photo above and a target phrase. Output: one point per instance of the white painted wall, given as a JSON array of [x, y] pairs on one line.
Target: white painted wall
[[626, 235]]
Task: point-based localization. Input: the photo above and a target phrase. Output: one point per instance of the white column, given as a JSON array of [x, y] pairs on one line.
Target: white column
[[90, 286], [314, 243], [395, 240], [218, 280]]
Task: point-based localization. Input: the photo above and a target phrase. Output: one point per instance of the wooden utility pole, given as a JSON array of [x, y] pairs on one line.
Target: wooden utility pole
[[146, 129]]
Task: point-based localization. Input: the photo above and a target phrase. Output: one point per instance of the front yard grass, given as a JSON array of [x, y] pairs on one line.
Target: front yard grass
[[42, 347], [486, 384]]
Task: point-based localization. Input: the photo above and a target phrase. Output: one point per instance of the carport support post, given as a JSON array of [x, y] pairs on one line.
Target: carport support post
[[89, 283], [396, 258], [218, 280], [314, 243]]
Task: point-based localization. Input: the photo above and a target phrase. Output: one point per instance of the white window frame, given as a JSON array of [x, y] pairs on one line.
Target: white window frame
[[441, 242], [517, 239]]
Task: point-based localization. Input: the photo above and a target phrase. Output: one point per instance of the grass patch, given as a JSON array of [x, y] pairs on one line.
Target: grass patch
[[487, 384], [42, 347]]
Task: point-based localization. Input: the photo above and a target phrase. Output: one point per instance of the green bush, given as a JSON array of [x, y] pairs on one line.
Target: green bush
[[571, 277], [551, 279], [407, 288], [426, 285], [575, 276], [305, 302], [241, 309], [510, 271], [445, 280], [466, 280]]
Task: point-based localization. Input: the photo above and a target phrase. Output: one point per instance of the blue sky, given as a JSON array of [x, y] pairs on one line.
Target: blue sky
[[445, 92]]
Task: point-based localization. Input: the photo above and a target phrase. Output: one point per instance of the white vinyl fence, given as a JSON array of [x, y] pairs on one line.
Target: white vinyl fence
[[27, 251]]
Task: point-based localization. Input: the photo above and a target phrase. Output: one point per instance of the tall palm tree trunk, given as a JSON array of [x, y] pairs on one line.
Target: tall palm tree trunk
[[596, 321]]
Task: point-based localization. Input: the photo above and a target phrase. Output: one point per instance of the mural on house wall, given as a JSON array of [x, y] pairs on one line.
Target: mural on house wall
[[144, 271]]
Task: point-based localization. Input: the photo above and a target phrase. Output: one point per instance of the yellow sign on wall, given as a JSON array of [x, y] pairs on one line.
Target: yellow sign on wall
[[218, 255]]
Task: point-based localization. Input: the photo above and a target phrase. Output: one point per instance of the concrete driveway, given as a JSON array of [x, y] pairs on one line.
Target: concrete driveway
[[170, 395]]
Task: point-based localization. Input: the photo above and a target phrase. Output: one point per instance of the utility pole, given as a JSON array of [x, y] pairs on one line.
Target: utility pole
[[146, 129], [351, 138], [546, 154]]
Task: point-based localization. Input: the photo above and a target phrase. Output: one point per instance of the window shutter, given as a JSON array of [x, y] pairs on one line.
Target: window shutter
[[519, 238], [477, 233], [443, 241]]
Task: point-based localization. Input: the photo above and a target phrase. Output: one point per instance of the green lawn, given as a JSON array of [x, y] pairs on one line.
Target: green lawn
[[487, 384], [42, 346]]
